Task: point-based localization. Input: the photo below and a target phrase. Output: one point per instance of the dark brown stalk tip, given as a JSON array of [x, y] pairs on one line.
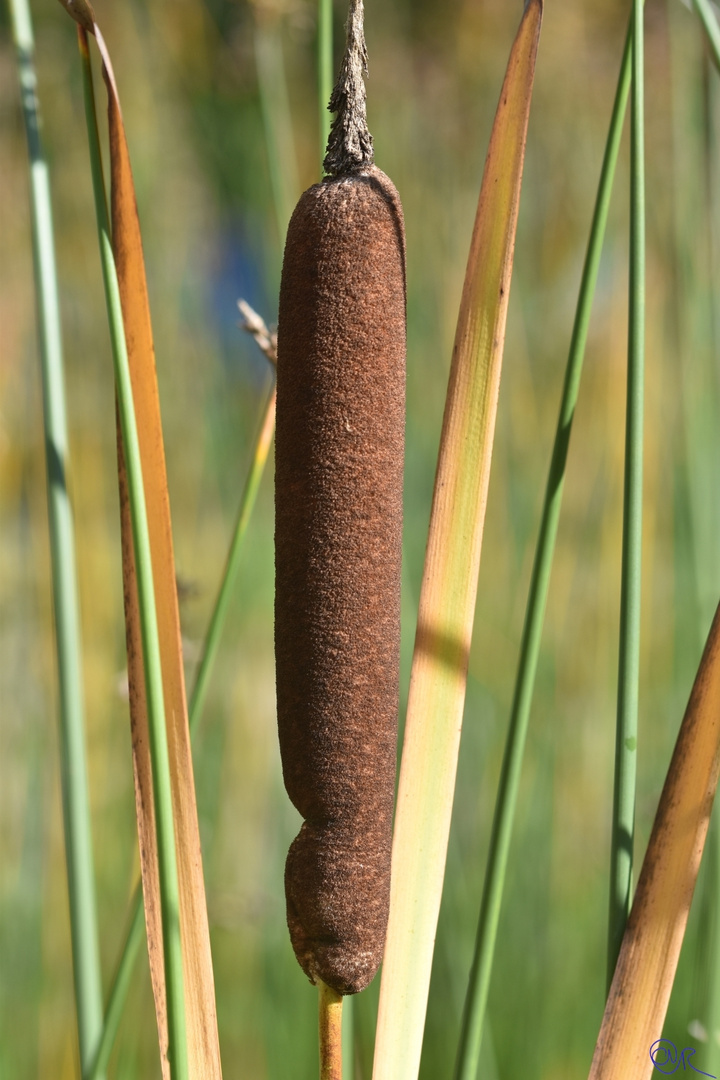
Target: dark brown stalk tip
[[350, 146]]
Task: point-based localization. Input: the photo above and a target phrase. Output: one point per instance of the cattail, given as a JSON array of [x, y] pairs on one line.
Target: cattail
[[338, 495]]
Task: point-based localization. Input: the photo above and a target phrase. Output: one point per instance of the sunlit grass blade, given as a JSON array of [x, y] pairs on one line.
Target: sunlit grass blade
[[277, 119], [646, 965], [710, 24], [623, 824], [247, 502], [139, 553], [694, 195], [447, 602], [131, 946], [120, 985], [74, 783], [325, 72], [476, 1000]]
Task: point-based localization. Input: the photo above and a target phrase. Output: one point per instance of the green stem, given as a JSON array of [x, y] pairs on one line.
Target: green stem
[[711, 944], [712, 30], [623, 827], [162, 797], [120, 986], [479, 984], [227, 584], [131, 947], [277, 119], [325, 72], [75, 797]]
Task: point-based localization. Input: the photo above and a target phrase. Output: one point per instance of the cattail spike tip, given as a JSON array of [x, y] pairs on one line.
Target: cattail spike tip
[[350, 146]]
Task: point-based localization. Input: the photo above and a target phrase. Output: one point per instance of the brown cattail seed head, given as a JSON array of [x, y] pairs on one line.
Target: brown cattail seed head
[[339, 464]]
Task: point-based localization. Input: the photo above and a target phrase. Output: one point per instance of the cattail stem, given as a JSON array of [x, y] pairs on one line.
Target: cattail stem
[[330, 1005], [338, 529]]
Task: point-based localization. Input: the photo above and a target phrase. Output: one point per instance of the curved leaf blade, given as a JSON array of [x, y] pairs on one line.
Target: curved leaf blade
[[650, 949], [203, 1045], [447, 601]]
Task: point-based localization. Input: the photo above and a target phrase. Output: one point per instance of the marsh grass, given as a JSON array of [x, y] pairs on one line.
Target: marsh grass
[[479, 981], [626, 738], [73, 765], [120, 985], [146, 604]]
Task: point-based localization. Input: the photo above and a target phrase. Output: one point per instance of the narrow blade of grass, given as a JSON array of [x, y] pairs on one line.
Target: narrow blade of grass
[[712, 150], [199, 990], [143, 641], [348, 1038], [277, 119], [120, 986], [325, 72], [623, 824], [711, 1003], [476, 1000], [131, 946], [447, 602], [219, 614], [176, 915], [646, 965], [711, 27], [74, 783]]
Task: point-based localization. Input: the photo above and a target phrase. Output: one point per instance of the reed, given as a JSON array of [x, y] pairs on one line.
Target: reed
[[325, 69], [507, 795], [130, 450], [130, 949], [623, 827], [73, 765], [710, 25], [447, 601]]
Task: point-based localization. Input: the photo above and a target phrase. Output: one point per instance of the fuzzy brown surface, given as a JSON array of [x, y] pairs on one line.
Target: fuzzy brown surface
[[338, 504]]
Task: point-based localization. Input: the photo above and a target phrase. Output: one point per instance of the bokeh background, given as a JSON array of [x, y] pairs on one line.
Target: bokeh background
[[221, 110]]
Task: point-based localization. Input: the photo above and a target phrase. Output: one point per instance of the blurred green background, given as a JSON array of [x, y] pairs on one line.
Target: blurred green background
[[218, 166]]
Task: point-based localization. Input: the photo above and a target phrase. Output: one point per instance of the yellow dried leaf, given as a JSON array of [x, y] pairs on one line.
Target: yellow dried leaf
[[202, 1036], [645, 971], [447, 601]]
